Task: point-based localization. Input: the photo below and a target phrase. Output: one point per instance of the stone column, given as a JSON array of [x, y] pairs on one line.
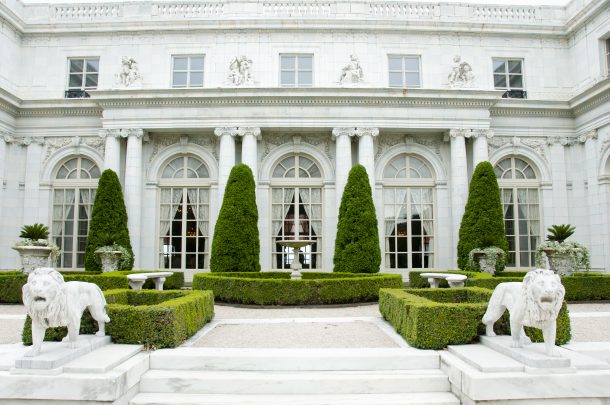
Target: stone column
[[480, 152], [133, 188], [343, 152], [366, 152], [249, 151], [459, 182], [5, 137], [558, 175], [112, 150], [31, 198], [226, 158]]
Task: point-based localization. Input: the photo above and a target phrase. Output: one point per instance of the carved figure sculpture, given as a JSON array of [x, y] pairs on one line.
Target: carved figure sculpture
[[461, 73], [352, 72], [129, 71], [239, 71], [535, 302], [51, 302]]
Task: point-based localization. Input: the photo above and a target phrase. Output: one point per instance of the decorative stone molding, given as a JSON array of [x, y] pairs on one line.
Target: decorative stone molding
[[109, 132], [367, 132], [321, 142], [208, 142], [343, 131], [240, 73], [231, 131], [160, 142], [537, 144], [486, 133], [137, 132], [7, 136], [53, 144], [29, 140], [454, 133], [254, 131], [592, 134], [561, 140], [461, 73], [388, 141], [352, 72], [130, 73], [498, 142], [121, 132]]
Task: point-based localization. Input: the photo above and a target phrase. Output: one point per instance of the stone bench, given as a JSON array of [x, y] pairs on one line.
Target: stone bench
[[136, 281], [454, 280]]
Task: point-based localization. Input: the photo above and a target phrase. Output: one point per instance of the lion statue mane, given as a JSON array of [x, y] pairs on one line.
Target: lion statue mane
[[535, 302], [51, 302]]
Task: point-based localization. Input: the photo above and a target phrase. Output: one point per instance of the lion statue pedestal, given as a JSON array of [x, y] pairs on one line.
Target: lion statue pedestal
[[51, 302], [535, 302]]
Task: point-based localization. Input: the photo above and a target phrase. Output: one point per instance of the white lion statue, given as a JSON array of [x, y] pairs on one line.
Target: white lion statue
[[535, 302], [51, 302]]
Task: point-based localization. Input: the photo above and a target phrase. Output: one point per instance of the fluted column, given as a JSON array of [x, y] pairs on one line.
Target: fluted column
[[112, 149], [133, 188], [249, 147], [480, 152], [31, 195], [366, 152], [343, 152], [459, 180], [226, 158]]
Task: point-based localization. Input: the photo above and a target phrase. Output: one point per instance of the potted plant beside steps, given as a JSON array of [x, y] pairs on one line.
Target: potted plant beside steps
[[564, 257], [35, 249], [487, 259], [112, 257]]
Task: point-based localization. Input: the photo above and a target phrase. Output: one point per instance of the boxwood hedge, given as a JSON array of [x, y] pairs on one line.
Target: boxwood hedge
[[580, 287], [156, 319], [11, 282], [435, 318], [276, 288]]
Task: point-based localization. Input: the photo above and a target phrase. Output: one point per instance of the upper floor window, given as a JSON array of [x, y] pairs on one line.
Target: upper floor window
[[187, 71], [404, 71], [296, 70], [508, 75], [83, 76]]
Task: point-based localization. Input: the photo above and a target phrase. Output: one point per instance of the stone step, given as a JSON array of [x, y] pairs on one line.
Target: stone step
[[301, 382], [293, 359], [102, 359], [425, 398]]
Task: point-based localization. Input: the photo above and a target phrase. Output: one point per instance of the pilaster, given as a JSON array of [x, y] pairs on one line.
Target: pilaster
[[343, 153], [558, 175], [226, 158], [459, 182], [5, 137], [133, 188], [31, 202]]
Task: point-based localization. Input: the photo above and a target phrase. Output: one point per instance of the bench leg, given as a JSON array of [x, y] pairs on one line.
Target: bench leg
[[433, 282], [136, 284], [454, 284], [159, 283]]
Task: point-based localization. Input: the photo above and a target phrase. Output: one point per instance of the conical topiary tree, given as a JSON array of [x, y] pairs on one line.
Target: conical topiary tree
[[236, 245], [483, 221], [108, 221], [357, 242]]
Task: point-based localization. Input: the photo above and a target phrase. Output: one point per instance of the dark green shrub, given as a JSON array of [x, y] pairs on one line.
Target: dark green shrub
[[357, 242], [108, 221], [153, 318], [236, 245], [483, 221], [435, 318], [276, 288]]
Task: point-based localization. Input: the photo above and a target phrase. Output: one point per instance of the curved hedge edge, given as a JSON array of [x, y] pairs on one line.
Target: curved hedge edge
[[333, 289], [156, 319], [434, 318]]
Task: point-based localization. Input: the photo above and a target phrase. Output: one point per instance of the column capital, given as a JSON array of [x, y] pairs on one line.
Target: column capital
[[589, 135], [457, 132], [231, 131], [132, 132], [243, 131], [367, 131], [482, 133], [109, 133], [7, 136], [559, 140], [31, 140], [343, 131]]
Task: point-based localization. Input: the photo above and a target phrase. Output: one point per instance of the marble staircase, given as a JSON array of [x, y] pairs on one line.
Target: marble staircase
[[208, 376]]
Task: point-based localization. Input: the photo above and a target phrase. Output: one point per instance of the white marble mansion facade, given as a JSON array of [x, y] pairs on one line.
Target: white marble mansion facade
[[172, 94]]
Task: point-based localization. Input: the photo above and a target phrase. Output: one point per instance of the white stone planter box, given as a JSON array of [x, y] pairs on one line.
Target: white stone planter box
[[33, 257]]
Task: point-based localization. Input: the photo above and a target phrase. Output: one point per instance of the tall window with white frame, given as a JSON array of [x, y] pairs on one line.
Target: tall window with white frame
[[74, 188], [408, 203], [83, 75], [519, 189], [509, 76], [404, 71], [187, 71], [184, 214], [296, 210], [296, 70]]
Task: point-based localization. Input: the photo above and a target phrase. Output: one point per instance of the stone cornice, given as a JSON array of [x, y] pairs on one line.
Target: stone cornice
[[591, 97], [59, 108], [531, 108], [9, 103]]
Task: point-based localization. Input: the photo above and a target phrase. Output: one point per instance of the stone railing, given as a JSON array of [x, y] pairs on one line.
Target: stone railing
[[404, 10], [503, 13], [296, 9], [187, 10], [87, 12]]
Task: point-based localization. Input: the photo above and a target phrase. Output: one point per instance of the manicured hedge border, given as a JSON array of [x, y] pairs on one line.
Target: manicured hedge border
[[11, 282], [435, 318], [156, 319], [276, 288], [583, 287]]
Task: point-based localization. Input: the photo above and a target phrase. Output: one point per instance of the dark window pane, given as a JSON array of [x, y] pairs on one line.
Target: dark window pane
[[516, 82], [76, 81], [514, 66], [91, 81], [499, 66], [180, 63], [76, 65], [499, 81], [93, 65]]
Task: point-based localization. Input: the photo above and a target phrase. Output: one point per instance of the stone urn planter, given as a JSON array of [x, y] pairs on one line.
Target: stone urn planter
[[564, 258], [487, 258], [109, 259], [561, 263], [33, 257]]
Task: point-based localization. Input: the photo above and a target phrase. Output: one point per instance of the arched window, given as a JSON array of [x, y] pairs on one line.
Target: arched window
[[184, 214], [296, 195], [74, 188], [519, 189], [408, 202]]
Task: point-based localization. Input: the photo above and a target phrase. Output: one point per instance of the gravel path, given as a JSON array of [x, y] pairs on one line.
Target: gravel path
[[236, 312]]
